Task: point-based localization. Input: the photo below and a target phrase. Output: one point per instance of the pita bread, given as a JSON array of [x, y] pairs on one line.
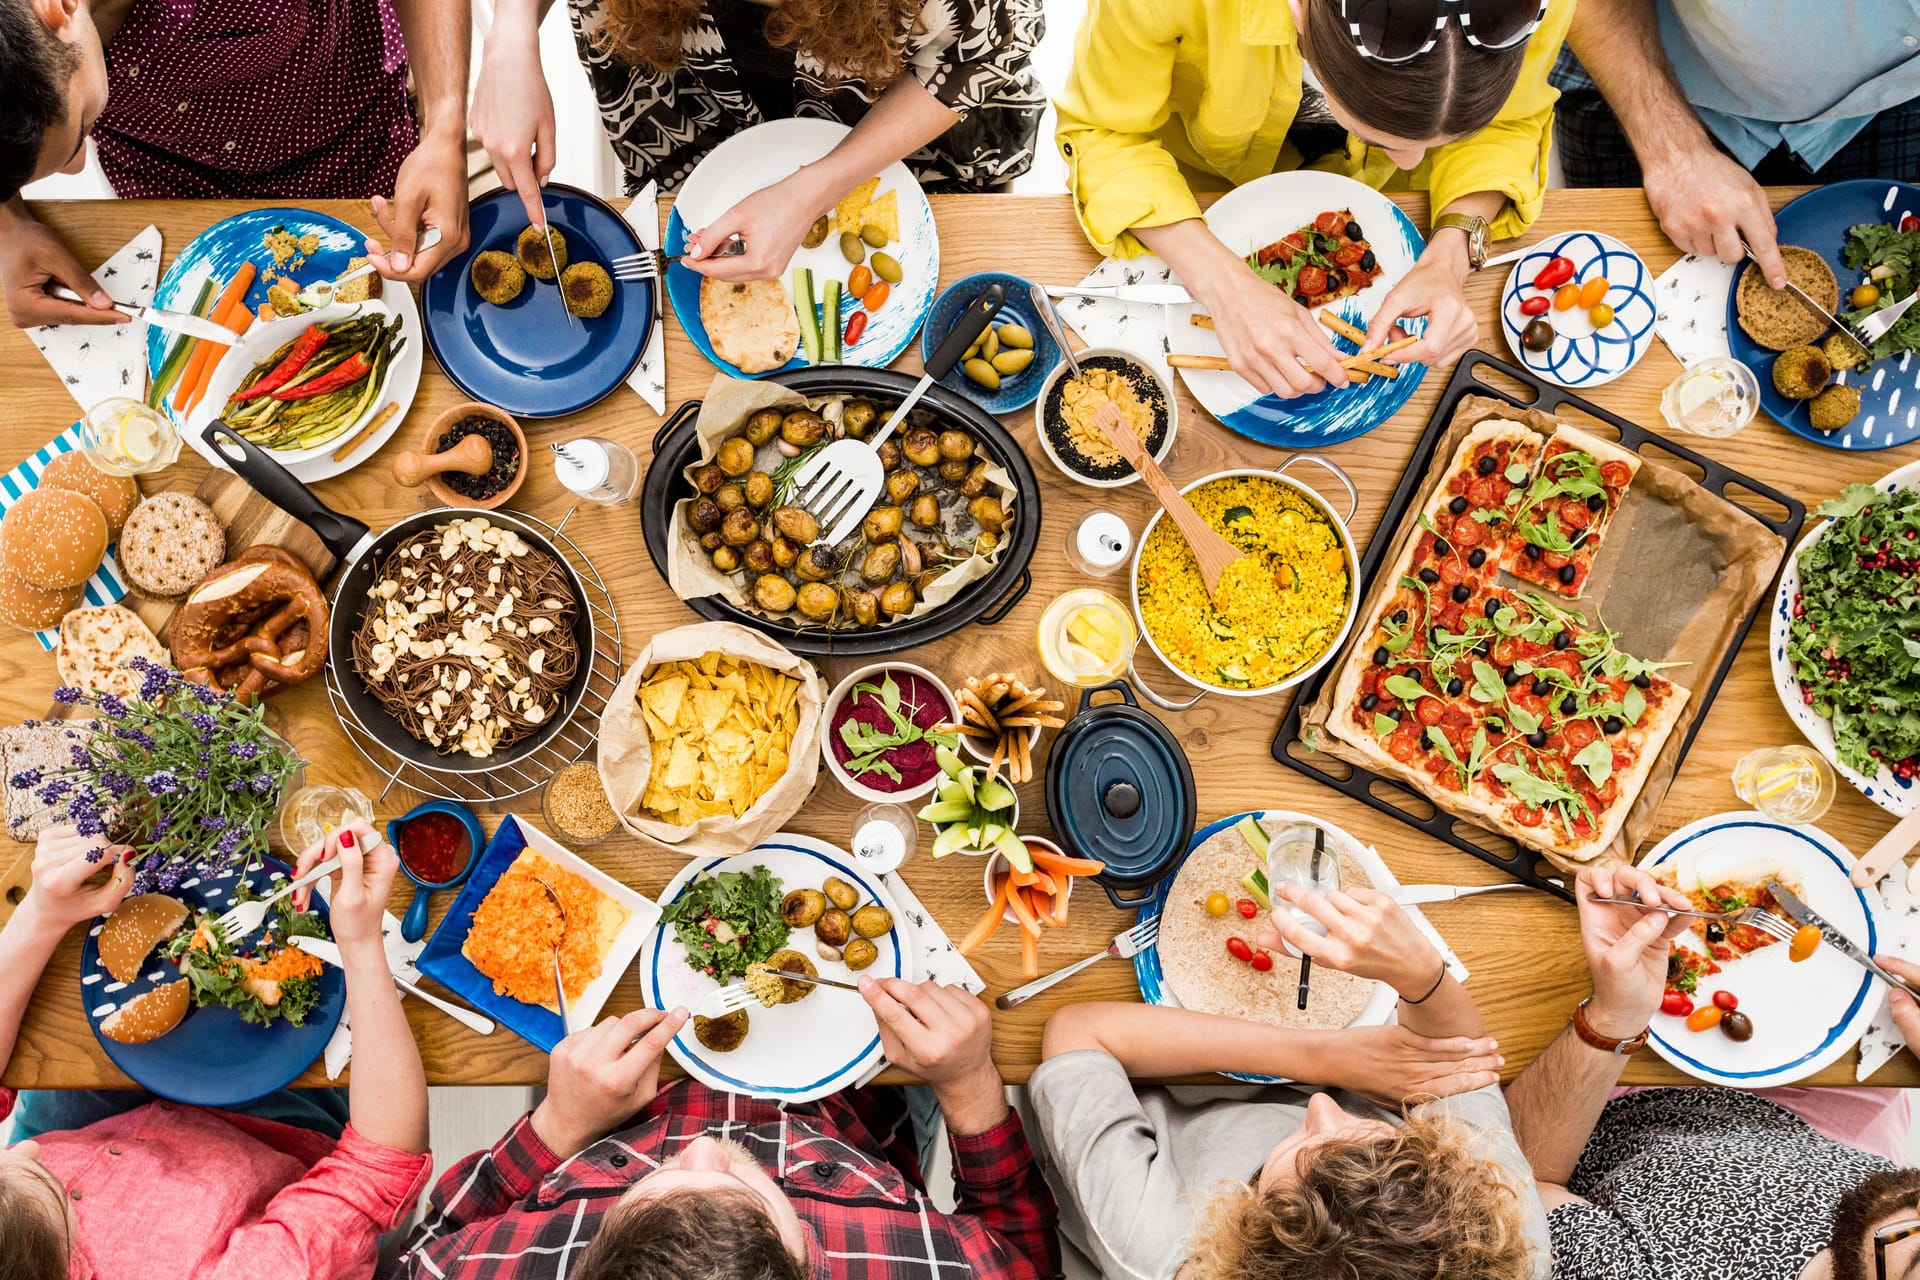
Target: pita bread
[[750, 323], [97, 643]]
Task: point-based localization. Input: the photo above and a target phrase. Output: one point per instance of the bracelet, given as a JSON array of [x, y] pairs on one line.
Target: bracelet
[[1430, 990]]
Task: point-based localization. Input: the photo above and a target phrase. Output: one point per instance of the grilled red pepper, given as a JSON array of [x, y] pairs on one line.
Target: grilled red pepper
[[344, 374], [305, 348]]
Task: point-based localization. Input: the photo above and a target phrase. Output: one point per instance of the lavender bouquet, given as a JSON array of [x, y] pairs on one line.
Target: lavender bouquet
[[183, 773]]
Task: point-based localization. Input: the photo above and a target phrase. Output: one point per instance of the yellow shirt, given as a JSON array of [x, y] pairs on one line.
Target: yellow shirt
[[1165, 95]]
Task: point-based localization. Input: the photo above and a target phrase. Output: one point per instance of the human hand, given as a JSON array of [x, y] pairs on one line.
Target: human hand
[[1435, 287], [1368, 935], [430, 191], [65, 866], [1706, 202], [33, 260], [601, 1076], [1390, 1064], [1904, 1008], [944, 1035], [512, 115], [358, 895], [1626, 947], [773, 221], [1271, 340]]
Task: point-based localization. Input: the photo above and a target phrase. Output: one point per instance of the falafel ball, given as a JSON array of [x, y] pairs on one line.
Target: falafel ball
[[534, 256], [1801, 373], [1843, 352], [588, 288], [1834, 408], [497, 277]]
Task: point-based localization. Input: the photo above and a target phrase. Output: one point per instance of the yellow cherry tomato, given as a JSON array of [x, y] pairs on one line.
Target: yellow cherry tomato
[[1804, 942], [1601, 315], [1706, 1016], [1594, 291], [1864, 295], [1217, 904], [1566, 297]]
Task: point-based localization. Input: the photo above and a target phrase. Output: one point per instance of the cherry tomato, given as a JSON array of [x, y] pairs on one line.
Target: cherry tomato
[[1594, 291], [1217, 903], [876, 296], [1676, 1003], [855, 327], [1537, 336], [1738, 1026], [1707, 1015], [1536, 305], [1601, 316], [1556, 273], [1804, 942], [1726, 1000], [1329, 223], [1247, 907], [859, 280], [1312, 281], [1863, 295], [1910, 222], [1239, 950], [1262, 962], [1566, 297]]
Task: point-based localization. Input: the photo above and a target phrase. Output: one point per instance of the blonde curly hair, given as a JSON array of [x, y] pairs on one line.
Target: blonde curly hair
[[860, 40], [1416, 1204]]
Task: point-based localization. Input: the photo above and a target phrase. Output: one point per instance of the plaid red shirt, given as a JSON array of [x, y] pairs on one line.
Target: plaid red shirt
[[846, 1162]]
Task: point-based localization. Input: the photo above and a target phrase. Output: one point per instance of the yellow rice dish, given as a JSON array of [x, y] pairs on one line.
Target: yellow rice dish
[[1279, 609]]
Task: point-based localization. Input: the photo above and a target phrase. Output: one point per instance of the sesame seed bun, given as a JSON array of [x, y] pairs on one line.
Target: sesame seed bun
[[32, 608], [54, 538], [117, 495], [149, 1015]]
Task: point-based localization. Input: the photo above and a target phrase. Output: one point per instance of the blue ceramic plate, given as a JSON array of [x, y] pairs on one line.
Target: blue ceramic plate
[[441, 960], [1582, 356], [525, 357], [1023, 388], [1805, 1015], [1257, 214], [217, 253], [212, 1059], [1890, 390], [764, 154]]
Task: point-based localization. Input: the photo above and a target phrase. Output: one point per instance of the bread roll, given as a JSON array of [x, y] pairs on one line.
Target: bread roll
[[147, 1016], [54, 538], [134, 929], [32, 608], [117, 495]]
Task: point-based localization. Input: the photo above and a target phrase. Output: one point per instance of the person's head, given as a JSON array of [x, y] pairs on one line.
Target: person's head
[[36, 1222], [1347, 1196], [1405, 108], [709, 1213], [1882, 1200], [853, 39], [53, 86]]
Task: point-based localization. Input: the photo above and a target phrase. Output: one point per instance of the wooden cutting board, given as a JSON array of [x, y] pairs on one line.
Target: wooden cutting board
[[250, 521]]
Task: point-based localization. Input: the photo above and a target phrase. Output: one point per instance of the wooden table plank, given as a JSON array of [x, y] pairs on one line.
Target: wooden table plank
[[1523, 950]]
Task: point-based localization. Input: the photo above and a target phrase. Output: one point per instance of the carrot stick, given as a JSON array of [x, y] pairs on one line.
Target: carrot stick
[[984, 927], [1023, 911], [1065, 866], [232, 298], [1022, 877], [1044, 883], [1029, 955], [1059, 915]]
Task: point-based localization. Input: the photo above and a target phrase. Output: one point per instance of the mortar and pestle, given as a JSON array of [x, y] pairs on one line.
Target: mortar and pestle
[[472, 456]]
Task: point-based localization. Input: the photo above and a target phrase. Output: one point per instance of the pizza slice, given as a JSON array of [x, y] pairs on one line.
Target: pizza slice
[[1737, 889], [1473, 508], [1323, 262], [1565, 509]]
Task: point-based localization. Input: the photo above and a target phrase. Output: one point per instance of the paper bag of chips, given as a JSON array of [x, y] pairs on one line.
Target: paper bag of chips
[[711, 740]]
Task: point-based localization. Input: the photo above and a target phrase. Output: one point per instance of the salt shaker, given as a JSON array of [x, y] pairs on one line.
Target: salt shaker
[[597, 470], [883, 836], [1099, 544]]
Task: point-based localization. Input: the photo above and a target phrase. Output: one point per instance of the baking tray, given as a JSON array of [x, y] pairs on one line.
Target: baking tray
[[1379, 791]]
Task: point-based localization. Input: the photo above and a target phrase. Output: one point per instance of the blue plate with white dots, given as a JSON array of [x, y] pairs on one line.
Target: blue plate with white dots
[[1582, 355]]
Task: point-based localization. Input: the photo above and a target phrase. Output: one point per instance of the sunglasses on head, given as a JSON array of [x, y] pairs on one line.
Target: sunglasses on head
[[1888, 1236], [1401, 30]]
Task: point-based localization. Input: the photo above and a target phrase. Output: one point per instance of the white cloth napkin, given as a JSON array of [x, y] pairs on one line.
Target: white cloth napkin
[[1139, 327], [1883, 1040], [97, 361], [1691, 301], [649, 378], [401, 956]]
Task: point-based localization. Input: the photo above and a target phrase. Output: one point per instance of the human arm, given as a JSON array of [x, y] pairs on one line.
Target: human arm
[[59, 897], [33, 259], [431, 188], [1704, 199], [512, 105], [1558, 1098]]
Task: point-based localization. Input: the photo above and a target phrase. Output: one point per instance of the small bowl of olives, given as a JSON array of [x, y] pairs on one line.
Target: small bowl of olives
[[1004, 369]]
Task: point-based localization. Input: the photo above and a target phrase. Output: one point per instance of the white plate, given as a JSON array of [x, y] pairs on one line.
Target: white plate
[[1890, 793], [1805, 1015], [1582, 356], [793, 1052]]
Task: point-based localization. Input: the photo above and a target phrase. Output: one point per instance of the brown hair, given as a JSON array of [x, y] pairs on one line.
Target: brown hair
[[1451, 90], [854, 39], [33, 1246], [1858, 1213], [1417, 1204], [689, 1235]]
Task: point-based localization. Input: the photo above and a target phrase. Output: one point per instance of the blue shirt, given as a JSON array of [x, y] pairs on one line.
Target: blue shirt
[[1766, 72]]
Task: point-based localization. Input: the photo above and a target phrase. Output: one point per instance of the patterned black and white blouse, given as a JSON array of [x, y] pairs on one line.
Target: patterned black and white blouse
[[975, 56], [1701, 1184]]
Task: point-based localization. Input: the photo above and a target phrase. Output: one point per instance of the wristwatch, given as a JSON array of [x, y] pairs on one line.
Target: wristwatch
[[1584, 1029], [1476, 229]]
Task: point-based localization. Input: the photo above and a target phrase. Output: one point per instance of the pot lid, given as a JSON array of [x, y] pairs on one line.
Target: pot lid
[[1119, 789]]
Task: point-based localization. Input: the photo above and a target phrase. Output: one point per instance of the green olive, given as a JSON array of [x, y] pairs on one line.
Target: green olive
[[1013, 360], [851, 248], [886, 266], [982, 373], [874, 236], [1013, 335], [989, 345], [971, 351]]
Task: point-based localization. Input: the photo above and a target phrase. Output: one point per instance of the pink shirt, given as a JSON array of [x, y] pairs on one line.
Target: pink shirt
[[167, 1190]]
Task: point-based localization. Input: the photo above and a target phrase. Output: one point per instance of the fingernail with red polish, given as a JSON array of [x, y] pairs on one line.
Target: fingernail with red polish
[[346, 838]]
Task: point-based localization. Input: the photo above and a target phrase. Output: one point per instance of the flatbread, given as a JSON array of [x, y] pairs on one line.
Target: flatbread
[[1774, 318], [1203, 976], [750, 323], [97, 643]]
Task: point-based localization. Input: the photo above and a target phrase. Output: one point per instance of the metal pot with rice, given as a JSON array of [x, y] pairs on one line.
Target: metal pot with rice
[[1281, 611]]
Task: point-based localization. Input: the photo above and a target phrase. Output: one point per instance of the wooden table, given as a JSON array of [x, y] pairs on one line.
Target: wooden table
[[1523, 950]]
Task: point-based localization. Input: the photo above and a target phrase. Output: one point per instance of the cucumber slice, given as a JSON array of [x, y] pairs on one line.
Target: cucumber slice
[[1015, 850], [830, 324], [803, 310], [1255, 883], [1254, 834]]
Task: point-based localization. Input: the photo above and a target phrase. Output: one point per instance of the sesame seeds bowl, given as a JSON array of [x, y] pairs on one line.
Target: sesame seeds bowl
[[1063, 415]]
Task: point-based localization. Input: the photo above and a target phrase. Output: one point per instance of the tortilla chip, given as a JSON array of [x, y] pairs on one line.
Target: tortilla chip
[[683, 770], [884, 213], [847, 215], [662, 696]]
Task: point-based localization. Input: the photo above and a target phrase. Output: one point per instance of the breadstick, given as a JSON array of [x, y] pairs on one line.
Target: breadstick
[[1342, 328]]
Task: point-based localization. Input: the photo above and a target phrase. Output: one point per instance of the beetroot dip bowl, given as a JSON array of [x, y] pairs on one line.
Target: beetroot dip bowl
[[923, 701]]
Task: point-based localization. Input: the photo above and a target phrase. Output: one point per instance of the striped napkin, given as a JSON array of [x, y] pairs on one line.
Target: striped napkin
[[649, 377], [105, 587]]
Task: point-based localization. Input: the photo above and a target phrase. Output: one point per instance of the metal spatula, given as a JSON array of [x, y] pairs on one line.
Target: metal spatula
[[839, 484]]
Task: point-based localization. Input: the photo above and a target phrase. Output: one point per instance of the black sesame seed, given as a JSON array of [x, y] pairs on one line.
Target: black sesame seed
[[1400, 616], [1540, 687], [1492, 607], [1487, 465], [1429, 577], [1441, 546], [1381, 657], [1538, 738], [1458, 506], [1561, 639], [1454, 686], [1369, 702], [1567, 575], [1533, 552], [1597, 502], [1462, 593], [1476, 557], [1569, 705], [1510, 677], [1614, 724], [1643, 681]]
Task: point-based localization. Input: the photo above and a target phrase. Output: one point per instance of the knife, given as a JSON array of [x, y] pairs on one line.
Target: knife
[[553, 257], [1159, 295], [1808, 301], [1801, 914], [330, 953], [1414, 895], [178, 321]]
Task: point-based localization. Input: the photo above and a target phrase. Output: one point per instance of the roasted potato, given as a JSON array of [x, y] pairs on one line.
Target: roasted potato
[[785, 551], [926, 511], [833, 927], [922, 446], [881, 562], [924, 580], [711, 540], [704, 515], [985, 543], [796, 523], [841, 894], [988, 513], [773, 593], [954, 470], [872, 920], [817, 601], [736, 456], [882, 524], [975, 482], [859, 954], [816, 564], [955, 445], [803, 427], [889, 451], [739, 528], [902, 485], [726, 559], [762, 427], [730, 497], [725, 1034], [858, 417], [758, 556], [803, 906], [898, 600], [708, 477], [759, 489], [860, 605]]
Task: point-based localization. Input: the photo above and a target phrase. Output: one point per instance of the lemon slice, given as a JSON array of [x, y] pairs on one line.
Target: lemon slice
[[132, 441], [1093, 630]]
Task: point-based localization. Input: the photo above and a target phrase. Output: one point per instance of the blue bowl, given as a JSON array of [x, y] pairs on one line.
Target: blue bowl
[[1023, 389], [414, 926]]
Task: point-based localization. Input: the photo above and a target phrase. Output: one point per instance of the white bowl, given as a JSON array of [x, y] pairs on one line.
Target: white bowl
[[971, 746], [1012, 815], [1064, 370], [832, 708], [997, 866]]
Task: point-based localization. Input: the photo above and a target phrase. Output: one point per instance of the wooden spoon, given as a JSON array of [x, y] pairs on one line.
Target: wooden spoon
[[472, 455], [1888, 850], [1211, 552]]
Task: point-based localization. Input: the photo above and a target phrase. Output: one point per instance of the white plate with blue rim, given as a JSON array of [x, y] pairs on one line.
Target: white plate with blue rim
[[1256, 214], [1582, 355], [1805, 1015], [797, 1052], [1898, 796]]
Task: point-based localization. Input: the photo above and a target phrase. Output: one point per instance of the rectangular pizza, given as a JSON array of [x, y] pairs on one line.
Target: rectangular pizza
[[1323, 262], [1564, 512]]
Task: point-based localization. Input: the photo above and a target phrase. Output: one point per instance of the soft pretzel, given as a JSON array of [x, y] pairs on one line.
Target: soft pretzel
[[253, 626]]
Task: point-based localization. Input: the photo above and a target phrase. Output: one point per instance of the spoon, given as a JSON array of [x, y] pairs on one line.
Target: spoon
[[559, 983], [1211, 552], [320, 292]]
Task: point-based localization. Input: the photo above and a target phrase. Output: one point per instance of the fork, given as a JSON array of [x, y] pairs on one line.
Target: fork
[[1754, 917], [559, 982], [1875, 326], [728, 999], [245, 917], [646, 265], [1125, 946]]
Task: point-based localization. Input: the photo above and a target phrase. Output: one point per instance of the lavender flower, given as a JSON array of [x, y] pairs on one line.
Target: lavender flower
[[242, 750], [163, 782], [26, 779], [66, 695], [111, 705]]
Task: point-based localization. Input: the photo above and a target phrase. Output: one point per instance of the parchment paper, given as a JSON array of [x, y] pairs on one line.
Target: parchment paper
[[1678, 570], [730, 402]]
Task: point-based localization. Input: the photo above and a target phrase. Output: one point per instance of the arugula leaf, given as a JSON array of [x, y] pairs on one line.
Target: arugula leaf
[[1487, 685], [1398, 637], [1597, 759], [1524, 721], [1406, 689], [1516, 472], [1633, 705], [1532, 789], [1384, 725], [1439, 742]]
